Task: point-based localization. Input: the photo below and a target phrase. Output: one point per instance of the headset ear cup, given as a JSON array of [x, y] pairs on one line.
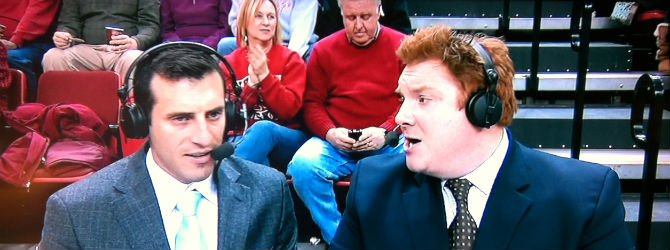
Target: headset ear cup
[[133, 122], [231, 115], [478, 111]]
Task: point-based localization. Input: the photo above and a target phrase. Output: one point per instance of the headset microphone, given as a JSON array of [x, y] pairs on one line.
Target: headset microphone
[[223, 151], [392, 137]]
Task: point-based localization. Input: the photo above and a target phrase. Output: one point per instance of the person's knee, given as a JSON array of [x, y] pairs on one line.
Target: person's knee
[[263, 125], [302, 165], [226, 45], [53, 59], [17, 57]]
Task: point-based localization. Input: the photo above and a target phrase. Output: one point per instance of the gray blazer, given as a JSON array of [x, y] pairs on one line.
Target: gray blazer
[[116, 208]]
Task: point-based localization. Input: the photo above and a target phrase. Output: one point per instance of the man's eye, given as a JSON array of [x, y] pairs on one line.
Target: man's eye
[[214, 115], [180, 118], [366, 17], [423, 99]]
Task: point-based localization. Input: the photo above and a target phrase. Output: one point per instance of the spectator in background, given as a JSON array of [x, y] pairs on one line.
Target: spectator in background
[[297, 19], [394, 15], [351, 80], [203, 21], [87, 20], [272, 79], [29, 27]]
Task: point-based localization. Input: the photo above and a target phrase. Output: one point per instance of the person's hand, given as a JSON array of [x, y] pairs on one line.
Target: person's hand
[[122, 43], [258, 65], [62, 39], [339, 137], [8, 44], [372, 138]]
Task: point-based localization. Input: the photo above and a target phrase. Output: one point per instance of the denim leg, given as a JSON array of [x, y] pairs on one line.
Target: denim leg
[[314, 168], [266, 140], [226, 45], [29, 60], [287, 142]]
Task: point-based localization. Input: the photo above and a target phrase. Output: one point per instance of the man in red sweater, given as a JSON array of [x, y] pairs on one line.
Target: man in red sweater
[[29, 26], [351, 80]]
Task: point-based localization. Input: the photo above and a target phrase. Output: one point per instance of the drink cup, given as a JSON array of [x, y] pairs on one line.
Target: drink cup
[[112, 31]]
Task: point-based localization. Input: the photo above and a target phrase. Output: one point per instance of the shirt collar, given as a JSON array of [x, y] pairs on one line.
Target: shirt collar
[[484, 176], [166, 186]]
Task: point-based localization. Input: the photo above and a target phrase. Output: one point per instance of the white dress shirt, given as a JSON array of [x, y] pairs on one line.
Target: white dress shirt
[[168, 190], [482, 179]]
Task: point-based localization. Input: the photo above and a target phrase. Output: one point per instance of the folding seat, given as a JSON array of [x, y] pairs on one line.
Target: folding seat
[[22, 209], [95, 89]]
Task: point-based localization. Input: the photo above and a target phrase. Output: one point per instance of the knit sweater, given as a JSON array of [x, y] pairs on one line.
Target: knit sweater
[[353, 87], [281, 91], [87, 19], [28, 20], [203, 21]]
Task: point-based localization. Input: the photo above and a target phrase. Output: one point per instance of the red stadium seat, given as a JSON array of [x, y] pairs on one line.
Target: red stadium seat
[[17, 89], [95, 89]]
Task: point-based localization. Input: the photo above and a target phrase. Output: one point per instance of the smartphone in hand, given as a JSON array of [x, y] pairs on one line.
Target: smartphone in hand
[[355, 134]]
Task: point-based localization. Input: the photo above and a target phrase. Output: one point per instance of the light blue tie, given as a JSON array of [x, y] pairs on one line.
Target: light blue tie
[[190, 234]]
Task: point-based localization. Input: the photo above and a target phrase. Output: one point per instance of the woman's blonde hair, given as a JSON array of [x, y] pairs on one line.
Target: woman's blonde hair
[[247, 11]]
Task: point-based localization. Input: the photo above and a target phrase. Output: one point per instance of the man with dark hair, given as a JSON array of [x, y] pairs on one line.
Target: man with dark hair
[[464, 182], [173, 193]]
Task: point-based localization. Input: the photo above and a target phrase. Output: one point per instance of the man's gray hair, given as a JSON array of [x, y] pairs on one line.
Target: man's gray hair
[[339, 3]]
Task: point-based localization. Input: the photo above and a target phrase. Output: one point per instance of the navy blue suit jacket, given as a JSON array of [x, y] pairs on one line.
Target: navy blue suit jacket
[[538, 201]]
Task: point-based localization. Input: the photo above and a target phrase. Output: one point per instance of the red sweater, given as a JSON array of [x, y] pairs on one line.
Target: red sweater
[[281, 90], [27, 20], [353, 87]]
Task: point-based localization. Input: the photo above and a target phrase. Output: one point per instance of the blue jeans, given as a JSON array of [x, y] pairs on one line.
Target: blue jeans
[[270, 144], [315, 167], [226, 45], [29, 60]]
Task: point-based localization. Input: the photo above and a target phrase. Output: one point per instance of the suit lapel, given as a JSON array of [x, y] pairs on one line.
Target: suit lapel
[[507, 205], [136, 208], [424, 209], [234, 201]]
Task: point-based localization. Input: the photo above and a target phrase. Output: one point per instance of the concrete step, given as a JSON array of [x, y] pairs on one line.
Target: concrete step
[[567, 81], [484, 22]]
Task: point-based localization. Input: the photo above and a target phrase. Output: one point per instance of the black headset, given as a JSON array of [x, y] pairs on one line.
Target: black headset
[[484, 107], [133, 120]]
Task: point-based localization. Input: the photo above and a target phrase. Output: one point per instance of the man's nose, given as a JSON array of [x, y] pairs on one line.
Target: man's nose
[[358, 24], [202, 134], [404, 115]]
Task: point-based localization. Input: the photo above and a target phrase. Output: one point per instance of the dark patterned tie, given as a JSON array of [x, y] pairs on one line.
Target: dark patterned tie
[[463, 228]]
